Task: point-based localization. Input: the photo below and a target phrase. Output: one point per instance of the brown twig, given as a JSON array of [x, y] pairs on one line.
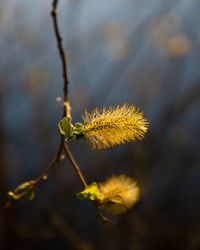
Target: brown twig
[[75, 165], [62, 56], [102, 217], [66, 111]]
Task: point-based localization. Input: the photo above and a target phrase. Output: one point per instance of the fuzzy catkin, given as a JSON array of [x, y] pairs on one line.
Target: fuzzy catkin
[[119, 193], [113, 126], [116, 195]]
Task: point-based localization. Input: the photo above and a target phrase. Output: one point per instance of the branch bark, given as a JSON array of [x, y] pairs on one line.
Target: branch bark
[[67, 107]]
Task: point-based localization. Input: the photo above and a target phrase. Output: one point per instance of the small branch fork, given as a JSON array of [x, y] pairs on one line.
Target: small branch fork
[[63, 146]]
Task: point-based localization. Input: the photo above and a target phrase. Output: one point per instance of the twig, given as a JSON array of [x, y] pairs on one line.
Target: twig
[[62, 54], [102, 217], [75, 165], [66, 111]]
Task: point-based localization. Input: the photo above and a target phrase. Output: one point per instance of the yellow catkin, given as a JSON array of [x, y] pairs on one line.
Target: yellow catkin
[[118, 194], [113, 126]]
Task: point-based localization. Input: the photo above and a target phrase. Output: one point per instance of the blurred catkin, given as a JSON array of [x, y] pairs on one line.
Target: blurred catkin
[[117, 194], [113, 126]]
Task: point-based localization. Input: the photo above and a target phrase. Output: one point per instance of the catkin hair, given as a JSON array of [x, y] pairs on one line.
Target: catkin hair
[[113, 126]]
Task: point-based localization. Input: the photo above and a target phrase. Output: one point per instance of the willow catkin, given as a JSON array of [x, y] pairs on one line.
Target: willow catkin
[[120, 193], [117, 194], [113, 126]]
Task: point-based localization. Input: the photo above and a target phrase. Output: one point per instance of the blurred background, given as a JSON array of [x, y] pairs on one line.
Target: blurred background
[[138, 52]]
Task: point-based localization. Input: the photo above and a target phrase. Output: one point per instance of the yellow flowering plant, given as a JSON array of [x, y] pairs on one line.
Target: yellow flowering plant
[[107, 127], [117, 194], [102, 128]]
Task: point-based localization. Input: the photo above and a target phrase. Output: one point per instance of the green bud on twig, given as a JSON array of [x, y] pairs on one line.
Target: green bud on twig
[[26, 189]]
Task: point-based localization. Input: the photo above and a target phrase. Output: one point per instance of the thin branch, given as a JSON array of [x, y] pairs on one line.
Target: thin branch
[[54, 162], [33, 183], [75, 165], [62, 54], [52, 165], [102, 217], [83, 181], [66, 112]]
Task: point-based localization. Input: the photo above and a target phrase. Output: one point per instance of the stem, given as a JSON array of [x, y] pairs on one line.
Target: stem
[[66, 111], [75, 165], [53, 163]]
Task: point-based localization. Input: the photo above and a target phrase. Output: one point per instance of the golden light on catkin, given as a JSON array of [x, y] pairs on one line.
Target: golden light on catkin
[[113, 126], [116, 195]]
